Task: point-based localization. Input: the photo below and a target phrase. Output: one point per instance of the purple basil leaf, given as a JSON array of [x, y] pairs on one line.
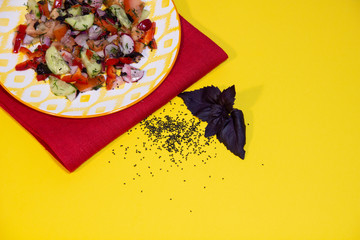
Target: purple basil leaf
[[214, 125], [200, 102], [233, 133], [227, 98]]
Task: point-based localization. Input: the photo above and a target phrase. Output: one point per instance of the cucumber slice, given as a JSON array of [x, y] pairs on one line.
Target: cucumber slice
[[34, 8], [55, 62], [61, 88], [92, 67], [144, 15], [81, 23], [75, 11], [120, 14]]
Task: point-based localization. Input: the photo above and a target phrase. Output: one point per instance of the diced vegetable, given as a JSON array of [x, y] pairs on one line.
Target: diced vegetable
[[93, 83], [60, 31], [120, 14], [144, 15], [127, 44], [134, 8], [44, 8], [34, 8], [19, 37], [60, 88], [149, 35], [55, 62], [81, 23], [93, 68], [75, 11]]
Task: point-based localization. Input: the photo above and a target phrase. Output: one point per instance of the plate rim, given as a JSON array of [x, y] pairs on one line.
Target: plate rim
[[115, 110]]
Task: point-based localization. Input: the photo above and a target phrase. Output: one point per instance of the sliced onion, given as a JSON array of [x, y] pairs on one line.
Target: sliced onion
[[68, 57], [75, 33], [111, 38], [127, 73], [81, 39], [101, 54], [136, 74], [100, 12], [73, 69], [119, 81], [110, 50], [94, 32], [43, 18], [127, 44], [95, 3], [28, 39], [45, 41]]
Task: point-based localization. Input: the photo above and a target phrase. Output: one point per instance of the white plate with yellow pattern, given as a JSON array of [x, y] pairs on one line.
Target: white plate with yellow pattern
[[37, 95]]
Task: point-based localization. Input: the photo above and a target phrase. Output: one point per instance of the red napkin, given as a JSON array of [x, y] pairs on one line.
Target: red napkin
[[73, 141]]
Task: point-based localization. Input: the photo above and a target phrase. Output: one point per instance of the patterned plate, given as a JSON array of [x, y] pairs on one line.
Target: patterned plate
[[24, 86]]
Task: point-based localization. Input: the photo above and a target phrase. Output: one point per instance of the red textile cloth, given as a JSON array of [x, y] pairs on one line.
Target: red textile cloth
[[73, 141]]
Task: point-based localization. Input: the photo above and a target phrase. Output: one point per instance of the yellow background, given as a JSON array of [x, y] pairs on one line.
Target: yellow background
[[295, 65]]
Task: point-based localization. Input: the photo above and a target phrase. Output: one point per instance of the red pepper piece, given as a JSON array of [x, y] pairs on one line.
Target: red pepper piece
[[19, 37], [111, 61], [28, 64], [111, 77], [31, 55], [126, 60], [44, 8], [42, 77], [77, 62]]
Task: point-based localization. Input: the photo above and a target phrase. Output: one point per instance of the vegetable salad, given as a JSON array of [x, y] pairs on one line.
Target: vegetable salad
[[83, 45]]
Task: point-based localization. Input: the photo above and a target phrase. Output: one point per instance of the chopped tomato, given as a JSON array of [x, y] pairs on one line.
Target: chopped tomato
[[139, 47], [106, 25], [19, 37], [134, 8], [89, 54], [149, 35], [92, 83], [60, 31], [77, 77]]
